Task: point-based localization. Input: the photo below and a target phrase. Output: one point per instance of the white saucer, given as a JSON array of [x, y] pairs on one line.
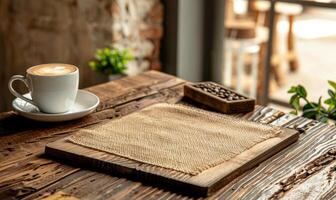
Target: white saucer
[[85, 103]]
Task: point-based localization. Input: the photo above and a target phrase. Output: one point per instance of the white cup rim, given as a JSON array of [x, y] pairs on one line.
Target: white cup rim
[[67, 74]]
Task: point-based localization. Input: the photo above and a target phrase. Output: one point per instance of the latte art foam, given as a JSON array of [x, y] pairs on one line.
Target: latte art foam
[[52, 69]]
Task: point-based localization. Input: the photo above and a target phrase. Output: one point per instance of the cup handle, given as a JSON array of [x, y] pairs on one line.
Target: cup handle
[[15, 93]]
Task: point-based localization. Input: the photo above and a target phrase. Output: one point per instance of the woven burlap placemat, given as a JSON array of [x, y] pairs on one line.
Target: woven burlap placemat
[[176, 137]]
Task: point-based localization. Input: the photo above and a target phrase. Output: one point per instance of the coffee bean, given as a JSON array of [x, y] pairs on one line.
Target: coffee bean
[[219, 91]]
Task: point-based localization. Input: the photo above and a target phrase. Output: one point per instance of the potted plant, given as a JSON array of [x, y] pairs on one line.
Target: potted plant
[[111, 61], [314, 110]]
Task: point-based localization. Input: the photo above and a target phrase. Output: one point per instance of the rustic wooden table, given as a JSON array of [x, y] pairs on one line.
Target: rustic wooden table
[[304, 169]]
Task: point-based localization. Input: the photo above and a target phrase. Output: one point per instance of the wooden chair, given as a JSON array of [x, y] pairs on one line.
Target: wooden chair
[[243, 38], [260, 9]]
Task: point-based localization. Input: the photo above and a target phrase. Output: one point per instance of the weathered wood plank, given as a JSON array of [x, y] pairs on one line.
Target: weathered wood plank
[[111, 94], [246, 115], [318, 173], [139, 190], [25, 146], [265, 180], [30, 176], [60, 196], [21, 150], [202, 184], [27, 133]]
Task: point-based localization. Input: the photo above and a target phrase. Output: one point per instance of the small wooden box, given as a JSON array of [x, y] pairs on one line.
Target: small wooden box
[[218, 101]]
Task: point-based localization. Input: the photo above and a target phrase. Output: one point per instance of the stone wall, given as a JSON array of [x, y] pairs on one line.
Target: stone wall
[[69, 31], [137, 24]]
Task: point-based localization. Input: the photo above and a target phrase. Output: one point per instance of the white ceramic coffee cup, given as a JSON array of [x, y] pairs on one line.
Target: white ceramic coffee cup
[[50, 93]]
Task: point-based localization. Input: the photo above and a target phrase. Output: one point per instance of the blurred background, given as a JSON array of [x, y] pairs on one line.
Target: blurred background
[[249, 45]]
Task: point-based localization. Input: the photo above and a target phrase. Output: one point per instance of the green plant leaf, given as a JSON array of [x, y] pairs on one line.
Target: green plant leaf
[[106, 50], [322, 114], [294, 112], [310, 113], [320, 108], [319, 104], [292, 90], [310, 105], [309, 110], [92, 64], [332, 84], [332, 114], [323, 119], [104, 63], [301, 91], [110, 60], [314, 110], [331, 93], [296, 103], [291, 100], [329, 101]]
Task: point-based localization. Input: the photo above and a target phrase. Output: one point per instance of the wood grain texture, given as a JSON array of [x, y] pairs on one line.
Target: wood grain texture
[[26, 174], [217, 103], [203, 184]]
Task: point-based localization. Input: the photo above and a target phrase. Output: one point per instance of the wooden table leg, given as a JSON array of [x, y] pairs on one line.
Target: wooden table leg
[[254, 72], [227, 81], [240, 69], [293, 62], [276, 61], [261, 72]]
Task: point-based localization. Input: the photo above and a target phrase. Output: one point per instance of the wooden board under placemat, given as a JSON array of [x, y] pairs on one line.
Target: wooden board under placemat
[[203, 184]]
